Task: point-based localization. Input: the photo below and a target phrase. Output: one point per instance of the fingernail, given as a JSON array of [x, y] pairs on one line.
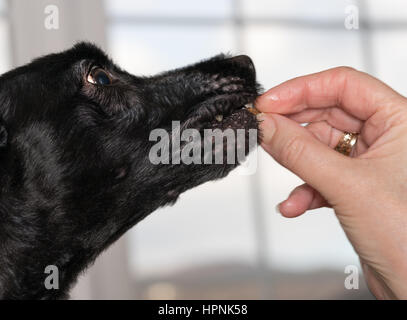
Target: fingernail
[[269, 97], [273, 97], [266, 126], [266, 101]]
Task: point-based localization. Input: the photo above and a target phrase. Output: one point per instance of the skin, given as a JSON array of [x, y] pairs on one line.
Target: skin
[[367, 190]]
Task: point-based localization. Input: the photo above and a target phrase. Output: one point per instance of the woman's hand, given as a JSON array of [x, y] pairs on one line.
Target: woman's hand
[[368, 191]]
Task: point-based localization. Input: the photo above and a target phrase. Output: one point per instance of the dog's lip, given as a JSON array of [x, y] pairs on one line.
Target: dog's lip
[[220, 112], [248, 106]]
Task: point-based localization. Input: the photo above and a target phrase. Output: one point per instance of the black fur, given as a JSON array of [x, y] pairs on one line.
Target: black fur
[[74, 167]]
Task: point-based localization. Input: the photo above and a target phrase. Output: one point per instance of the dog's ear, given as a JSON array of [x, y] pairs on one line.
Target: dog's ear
[[3, 135]]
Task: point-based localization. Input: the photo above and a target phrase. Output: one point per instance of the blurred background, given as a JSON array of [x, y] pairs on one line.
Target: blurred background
[[222, 240]]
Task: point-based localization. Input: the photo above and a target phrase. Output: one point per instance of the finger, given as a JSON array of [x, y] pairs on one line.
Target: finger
[[318, 202], [325, 133], [331, 136], [334, 116], [355, 92], [297, 149], [301, 199], [383, 121]]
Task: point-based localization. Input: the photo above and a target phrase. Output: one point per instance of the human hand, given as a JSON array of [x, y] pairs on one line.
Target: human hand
[[368, 191]]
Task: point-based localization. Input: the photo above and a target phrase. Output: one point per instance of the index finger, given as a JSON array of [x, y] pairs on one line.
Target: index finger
[[356, 92]]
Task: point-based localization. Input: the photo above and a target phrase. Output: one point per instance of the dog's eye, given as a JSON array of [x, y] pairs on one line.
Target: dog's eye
[[99, 76]]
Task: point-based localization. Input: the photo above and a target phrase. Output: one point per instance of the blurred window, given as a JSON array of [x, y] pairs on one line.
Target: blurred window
[[229, 229], [4, 35]]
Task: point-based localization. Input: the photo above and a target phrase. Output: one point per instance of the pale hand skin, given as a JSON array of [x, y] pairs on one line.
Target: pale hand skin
[[368, 191]]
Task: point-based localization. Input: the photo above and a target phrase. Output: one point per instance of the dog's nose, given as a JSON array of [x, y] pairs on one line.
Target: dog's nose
[[244, 61]]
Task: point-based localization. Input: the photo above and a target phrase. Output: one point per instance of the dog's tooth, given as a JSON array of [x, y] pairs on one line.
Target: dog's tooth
[[219, 117], [249, 105]]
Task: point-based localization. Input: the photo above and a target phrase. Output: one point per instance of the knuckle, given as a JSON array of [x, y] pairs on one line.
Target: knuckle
[[292, 151], [342, 73], [344, 70]]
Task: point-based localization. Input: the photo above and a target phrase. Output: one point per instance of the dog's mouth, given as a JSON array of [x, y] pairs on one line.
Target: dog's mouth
[[236, 111], [241, 117], [229, 110], [232, 103], [222, 120]]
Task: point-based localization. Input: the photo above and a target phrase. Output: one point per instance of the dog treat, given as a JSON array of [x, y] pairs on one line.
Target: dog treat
[[251, 108]]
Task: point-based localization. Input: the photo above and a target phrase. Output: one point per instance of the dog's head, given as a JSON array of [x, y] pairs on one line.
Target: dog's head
[[80, 140]]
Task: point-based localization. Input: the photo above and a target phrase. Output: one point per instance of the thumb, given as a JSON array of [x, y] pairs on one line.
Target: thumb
[[298, 150]]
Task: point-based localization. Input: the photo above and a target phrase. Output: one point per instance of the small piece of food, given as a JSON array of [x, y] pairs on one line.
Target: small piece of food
[[219, 118], [251, 108]]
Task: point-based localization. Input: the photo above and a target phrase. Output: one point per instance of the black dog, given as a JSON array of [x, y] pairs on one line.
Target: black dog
[[75, 172]]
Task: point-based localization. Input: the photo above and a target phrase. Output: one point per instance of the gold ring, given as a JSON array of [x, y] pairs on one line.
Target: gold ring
[[346, 143]]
